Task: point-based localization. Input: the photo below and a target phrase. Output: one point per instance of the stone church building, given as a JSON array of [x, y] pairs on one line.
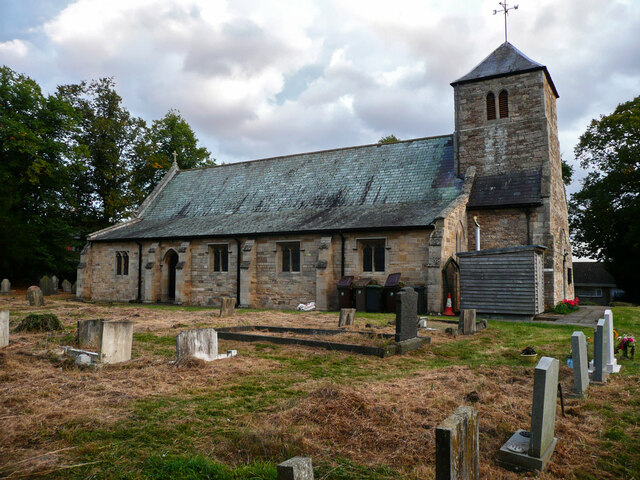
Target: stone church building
[[277, 232]]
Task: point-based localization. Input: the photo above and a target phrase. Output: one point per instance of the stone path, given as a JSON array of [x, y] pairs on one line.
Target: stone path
[[586, 316]]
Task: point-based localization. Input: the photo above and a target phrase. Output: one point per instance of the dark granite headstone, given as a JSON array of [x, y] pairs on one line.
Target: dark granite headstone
[[46, 285], [406, 314]]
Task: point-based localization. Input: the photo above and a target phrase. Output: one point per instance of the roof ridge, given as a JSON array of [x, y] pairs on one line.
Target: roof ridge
[[279, 157]]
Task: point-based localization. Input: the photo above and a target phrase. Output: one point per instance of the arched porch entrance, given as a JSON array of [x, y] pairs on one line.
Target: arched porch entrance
[[169, 276]]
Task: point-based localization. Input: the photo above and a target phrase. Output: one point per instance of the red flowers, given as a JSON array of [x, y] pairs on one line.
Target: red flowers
[[572, 303]]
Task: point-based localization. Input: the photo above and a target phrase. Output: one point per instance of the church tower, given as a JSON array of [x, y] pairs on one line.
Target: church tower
[[506, 127]]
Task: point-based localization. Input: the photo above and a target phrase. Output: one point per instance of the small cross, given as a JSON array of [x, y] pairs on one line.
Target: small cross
[[505, 9], [175, 158]]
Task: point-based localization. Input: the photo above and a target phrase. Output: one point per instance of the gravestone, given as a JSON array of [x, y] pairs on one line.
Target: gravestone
[[406, 314], [4, 328], [46, 286], [457, 446], [227, 306], [200, 343], [66, 286], [580, 363], [88, 332], [347, 316], [609, 344], [54, 284], [5, 287], [532, 450], [115, 341], [467, 322], [34, 296], [74, 288], [600, 372], [296, 468]]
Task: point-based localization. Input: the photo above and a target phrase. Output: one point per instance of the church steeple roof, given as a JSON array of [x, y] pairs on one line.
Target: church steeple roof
[[503, 61]]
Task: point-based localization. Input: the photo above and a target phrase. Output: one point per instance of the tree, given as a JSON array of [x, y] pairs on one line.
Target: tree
[[35, 226], [388, 139], [604, 213], [154, 153], [567, 172]]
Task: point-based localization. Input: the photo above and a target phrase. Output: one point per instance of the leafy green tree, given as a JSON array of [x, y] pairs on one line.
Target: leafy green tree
[[35, 227], [154, 153], [604, 213], [567, 172], [388, 139]]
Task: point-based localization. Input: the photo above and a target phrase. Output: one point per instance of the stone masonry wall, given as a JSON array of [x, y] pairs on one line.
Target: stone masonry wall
[[499, 228], [105, 285]]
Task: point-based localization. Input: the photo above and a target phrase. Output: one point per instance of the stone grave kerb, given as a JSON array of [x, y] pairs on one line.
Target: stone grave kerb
[[580, 363], [406, 314], [609, 344], [296, 468], [600, 373]]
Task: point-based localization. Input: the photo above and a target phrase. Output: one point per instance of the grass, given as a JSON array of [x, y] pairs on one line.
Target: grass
[[232, 427]]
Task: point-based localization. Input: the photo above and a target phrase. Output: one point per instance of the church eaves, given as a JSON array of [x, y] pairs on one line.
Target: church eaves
[[371, 187], [503, 61]]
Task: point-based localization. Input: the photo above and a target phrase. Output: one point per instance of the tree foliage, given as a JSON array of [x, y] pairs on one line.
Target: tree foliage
[[72, 163], [388, 139], [604, 213]]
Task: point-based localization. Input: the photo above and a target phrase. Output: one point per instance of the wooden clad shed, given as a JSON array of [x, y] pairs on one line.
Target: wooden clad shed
[[504, 282]]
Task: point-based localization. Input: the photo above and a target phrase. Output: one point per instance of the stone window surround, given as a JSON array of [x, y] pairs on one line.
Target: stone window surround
[[121, 258], [280, 244], [210, 249], [359, 248]]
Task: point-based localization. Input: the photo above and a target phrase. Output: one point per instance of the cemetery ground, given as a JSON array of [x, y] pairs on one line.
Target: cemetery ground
[[357, 416]]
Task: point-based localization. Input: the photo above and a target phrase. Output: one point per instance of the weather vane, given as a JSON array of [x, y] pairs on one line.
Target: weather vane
[[505, 9]]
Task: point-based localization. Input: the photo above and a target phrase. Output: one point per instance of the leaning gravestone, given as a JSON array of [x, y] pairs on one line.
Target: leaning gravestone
[[54, 284], [34, 296], [200, 343], [406, 314], [532, 450], [457, 446], [46, 286], [347, 316], [5, 287], [609, 344], [467, 322], [580, 363], [89, 332], [4, 328], [66, 286], [296, 468], [600, 372], [227, 306]]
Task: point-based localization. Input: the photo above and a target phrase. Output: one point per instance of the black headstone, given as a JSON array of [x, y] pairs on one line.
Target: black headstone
[[406, 314]]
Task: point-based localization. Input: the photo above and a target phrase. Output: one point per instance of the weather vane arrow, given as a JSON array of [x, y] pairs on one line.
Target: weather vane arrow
[[505, 9]]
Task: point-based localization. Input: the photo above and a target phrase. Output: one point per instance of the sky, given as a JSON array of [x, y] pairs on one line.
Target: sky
[[256, 79]]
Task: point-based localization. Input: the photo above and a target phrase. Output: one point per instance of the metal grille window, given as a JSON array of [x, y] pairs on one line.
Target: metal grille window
[[219, 257], [122, 263], [491, 106], [373, 252], [290, 257], [503, 101]]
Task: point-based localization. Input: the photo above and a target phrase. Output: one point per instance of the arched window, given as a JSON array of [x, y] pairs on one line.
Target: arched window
[[503, 101], [491, 106]]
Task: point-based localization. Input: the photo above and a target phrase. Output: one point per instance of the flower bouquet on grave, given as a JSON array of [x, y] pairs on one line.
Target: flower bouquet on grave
[[626, 344]]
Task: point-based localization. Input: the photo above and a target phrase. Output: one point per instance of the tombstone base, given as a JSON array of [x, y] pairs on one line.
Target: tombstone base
[[613, 368], [522, 461], [412, 344]]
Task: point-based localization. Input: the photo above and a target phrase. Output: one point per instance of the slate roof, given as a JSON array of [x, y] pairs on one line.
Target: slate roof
[[399, 185], [506, 190], [592, 273], [503, 61]]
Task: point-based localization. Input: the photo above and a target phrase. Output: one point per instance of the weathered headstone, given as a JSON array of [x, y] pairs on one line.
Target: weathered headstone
[[46, 286], [74, 288], [4, 328], [457, 446], [600, 372], [580, 363], [532, 450], [54, 284], [200, 343], [609, 344], [467, 322], [406, 314], [227, 306], [5, 287], [296, 468], [115, 341], [66, 286], [89, 332], [347, 316], [34, 296]]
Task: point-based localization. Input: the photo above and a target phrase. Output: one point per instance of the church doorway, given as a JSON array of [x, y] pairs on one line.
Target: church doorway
[[170, 262], [451, 283]]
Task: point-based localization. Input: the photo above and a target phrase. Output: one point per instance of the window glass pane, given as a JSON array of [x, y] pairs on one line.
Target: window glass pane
[[379, 258], [367, 260], [125, 263], [224, 254], [216, 260], [295, 259], [286, 257]]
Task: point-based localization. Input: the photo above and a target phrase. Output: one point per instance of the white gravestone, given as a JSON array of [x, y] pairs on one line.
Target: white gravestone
[[200, 343], [609, 344]]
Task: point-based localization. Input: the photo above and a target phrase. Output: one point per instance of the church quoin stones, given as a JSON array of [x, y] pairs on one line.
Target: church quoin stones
[[276, 232]]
